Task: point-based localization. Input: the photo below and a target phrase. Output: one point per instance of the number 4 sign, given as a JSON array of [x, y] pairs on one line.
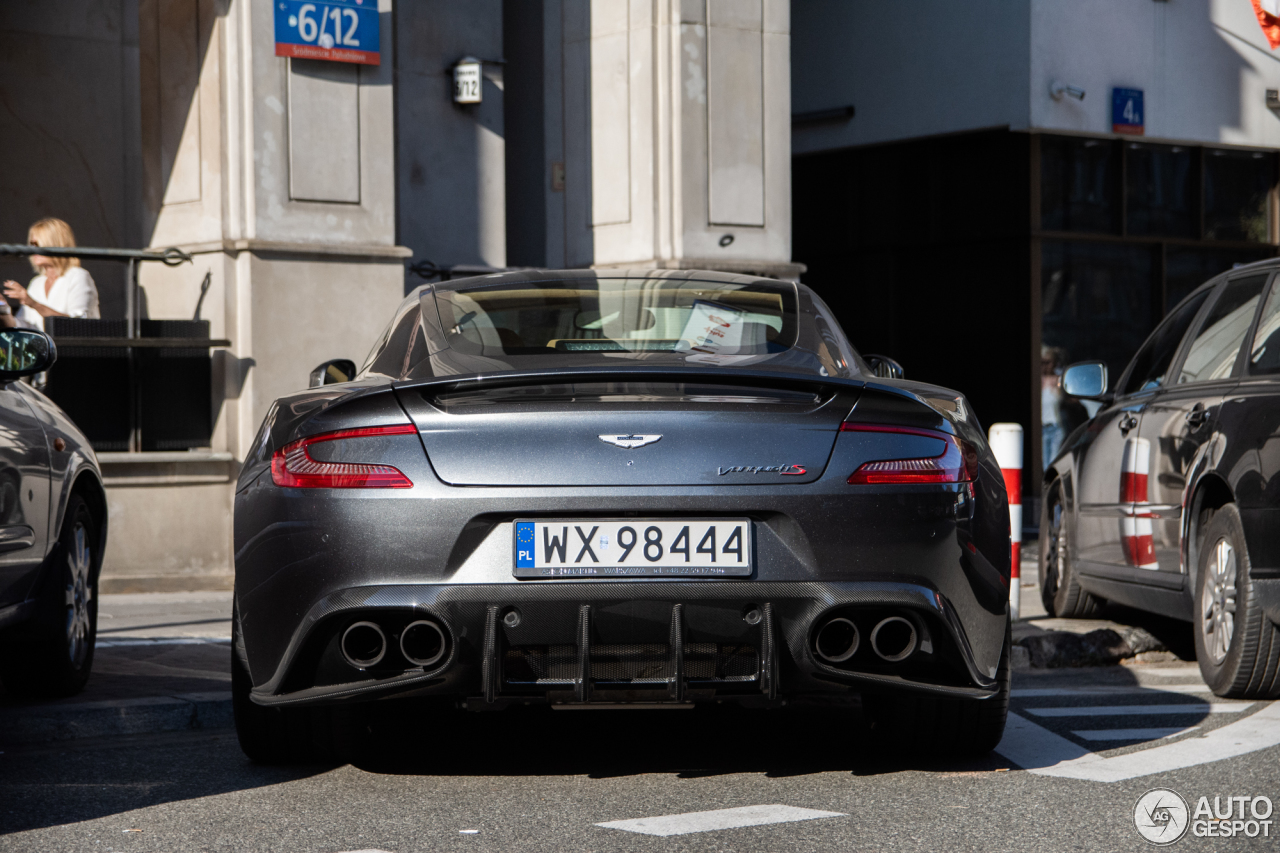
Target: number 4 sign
[[336, 30], [1126, 111]]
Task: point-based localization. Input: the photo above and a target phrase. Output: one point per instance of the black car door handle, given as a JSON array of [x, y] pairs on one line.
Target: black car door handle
[[15, 537], [1128, 422], [1197, 417]]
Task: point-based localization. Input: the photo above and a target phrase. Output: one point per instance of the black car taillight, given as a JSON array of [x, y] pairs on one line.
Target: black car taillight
[[955, 462], [293, 467]]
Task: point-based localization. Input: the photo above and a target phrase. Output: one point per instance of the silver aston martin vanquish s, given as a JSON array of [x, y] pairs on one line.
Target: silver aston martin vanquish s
[[644, 488]]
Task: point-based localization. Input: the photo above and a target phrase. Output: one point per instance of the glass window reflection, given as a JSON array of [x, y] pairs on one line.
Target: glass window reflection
[[1160, 186], [1236, 187], [1078, 189]]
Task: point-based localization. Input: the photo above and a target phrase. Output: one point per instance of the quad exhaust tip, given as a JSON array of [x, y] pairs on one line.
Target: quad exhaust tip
[[423, 643], [894, 639], [837, 640], [363, 645]]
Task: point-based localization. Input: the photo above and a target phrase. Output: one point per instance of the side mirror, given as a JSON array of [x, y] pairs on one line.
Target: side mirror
[[332, 372], [24, 352], [1087, 379], [884, 367]]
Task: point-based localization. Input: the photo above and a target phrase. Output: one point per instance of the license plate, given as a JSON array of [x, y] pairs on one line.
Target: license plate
[[633, 547]]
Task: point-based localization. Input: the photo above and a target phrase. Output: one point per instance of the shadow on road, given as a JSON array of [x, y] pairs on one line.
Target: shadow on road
[[703, 741], [77, 781]]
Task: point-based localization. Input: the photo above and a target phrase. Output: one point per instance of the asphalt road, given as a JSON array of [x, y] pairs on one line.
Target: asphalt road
[[534, 779]]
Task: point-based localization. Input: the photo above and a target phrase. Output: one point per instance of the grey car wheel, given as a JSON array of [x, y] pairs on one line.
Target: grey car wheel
[[79, 595], [1237, 646], [51, 654]]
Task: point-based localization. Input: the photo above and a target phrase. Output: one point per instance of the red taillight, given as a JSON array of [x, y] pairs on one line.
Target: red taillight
[[293, 467], [956, 463]]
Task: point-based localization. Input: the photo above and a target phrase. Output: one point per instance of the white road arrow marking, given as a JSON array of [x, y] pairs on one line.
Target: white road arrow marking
[[682, 824]]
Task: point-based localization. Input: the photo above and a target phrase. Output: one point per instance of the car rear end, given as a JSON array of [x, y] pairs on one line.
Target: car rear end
[[859, 536]]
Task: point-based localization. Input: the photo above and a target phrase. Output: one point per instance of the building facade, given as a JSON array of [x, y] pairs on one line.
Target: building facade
[[973, 200], [608, 134]]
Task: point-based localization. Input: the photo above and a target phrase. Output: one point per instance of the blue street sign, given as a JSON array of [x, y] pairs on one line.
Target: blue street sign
[[1126, 111], [337, 30]]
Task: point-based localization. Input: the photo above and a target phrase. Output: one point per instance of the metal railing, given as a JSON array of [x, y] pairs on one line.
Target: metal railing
[[170, 257]]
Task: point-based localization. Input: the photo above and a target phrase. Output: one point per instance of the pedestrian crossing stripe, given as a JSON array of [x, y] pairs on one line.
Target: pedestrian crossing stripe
[[1043, 753]]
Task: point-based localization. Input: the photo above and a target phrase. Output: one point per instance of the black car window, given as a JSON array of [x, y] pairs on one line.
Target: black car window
[[1216, 346], [1152, 361], [1264, 355]]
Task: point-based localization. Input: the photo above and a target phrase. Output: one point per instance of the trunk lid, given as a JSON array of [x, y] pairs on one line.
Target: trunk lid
[[646, 433]]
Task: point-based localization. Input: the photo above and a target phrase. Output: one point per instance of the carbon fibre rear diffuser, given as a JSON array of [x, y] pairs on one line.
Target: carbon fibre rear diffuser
[[582, 684]]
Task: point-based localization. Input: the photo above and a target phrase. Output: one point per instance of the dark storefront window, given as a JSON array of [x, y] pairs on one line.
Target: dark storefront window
[[1160, 191], [1096, 300], [1236, 187], [1078, 184], [1188, 267]]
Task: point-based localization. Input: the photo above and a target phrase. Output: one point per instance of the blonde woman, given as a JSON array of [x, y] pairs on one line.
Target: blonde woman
[[62, 287]]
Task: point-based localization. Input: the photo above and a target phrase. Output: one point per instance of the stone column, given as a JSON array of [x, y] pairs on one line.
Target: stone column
[[277, 174], [677, 134]]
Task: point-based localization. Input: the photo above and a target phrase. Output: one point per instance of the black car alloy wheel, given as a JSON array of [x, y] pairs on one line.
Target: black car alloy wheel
[[1059, 592], [1237, 645]]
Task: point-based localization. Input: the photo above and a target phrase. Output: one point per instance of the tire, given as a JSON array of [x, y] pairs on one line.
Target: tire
[[51, 654], [1237, 646], [325, 734], [940, 726], [1060, 593]]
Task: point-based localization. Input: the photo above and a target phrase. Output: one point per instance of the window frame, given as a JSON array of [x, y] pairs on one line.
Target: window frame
[[1211, 288], [1242, 363], [1184, 349]]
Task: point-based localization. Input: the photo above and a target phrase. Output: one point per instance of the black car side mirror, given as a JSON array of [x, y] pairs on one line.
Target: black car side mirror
[[332, 372], [884, 367], [1087, 379], [24, 352]]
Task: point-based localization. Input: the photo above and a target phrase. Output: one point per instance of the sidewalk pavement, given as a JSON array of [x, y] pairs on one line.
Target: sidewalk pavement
[[1121, 635], [163, 662]]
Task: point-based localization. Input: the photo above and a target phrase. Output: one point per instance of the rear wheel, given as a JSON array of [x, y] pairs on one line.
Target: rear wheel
[[51, 654], [1236, 644], [320, 734], [956, 728], [1059, 591]]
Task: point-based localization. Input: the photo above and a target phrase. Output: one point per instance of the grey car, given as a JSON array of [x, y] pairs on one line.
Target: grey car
[[637, 489], [53, 530]]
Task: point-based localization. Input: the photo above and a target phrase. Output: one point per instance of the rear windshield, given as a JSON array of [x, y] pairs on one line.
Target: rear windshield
[[584, 323], [708, 322]]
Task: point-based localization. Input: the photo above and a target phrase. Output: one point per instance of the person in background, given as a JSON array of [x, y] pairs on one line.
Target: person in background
[[1059, 414], [61, 288], [1051, 433]]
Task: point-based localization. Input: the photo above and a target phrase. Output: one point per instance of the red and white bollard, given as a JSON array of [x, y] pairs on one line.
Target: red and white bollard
[[1136, 529], [1006, 444]]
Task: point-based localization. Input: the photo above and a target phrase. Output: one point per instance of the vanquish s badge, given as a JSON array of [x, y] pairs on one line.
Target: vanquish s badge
[[784, 470]]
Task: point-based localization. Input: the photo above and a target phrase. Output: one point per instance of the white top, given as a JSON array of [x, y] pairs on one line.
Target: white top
[[73, 294]]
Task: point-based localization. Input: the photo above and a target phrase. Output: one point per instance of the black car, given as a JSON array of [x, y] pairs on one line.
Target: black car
[[646, 489], [1168, 499], [53, 529]]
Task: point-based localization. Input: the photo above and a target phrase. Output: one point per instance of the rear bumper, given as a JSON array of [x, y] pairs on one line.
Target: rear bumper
[[637, 642]]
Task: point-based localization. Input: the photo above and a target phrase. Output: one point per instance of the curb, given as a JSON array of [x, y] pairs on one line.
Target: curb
[[1103, 647], [150, 715]]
